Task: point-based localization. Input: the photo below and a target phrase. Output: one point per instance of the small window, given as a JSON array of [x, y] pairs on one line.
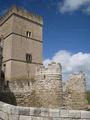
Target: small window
[[7, 83], [28, 34], [28, 58]]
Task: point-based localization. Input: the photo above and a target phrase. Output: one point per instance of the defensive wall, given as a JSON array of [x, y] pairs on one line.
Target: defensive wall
[[46, 90]]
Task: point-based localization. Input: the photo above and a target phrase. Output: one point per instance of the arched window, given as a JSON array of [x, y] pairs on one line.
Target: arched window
[[28, 34], [28, 58]]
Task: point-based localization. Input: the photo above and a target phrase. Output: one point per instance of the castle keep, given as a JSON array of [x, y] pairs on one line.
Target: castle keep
[[22, 43], [24, 80]]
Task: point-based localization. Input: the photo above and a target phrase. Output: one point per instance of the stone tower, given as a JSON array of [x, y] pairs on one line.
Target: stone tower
[[48, 86], [22, 43], [75, 92]]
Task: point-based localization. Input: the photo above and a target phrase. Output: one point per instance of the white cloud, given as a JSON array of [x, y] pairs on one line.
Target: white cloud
[[87, 10], [73, 5], [72, 63]]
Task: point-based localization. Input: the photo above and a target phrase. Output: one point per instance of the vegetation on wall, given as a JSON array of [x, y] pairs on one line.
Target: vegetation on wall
[[88, 96]]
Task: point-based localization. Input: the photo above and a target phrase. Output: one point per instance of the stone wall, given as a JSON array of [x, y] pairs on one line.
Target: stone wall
[[48, 85], [43, 91], [18, 92], [46, 90], [14, 27], [75, 92], [10, 112]]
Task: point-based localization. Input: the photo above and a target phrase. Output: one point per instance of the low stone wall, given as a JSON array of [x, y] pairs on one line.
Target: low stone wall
[[10, 112]]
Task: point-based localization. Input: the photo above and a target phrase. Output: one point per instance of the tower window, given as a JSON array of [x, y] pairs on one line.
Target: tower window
[[28, 58], [28, 34]]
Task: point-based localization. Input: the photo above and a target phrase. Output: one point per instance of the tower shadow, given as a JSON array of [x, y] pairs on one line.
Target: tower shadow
[[6, 95]]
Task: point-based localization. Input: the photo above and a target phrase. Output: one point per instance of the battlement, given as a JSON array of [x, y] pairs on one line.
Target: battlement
[[52, 69], [21, 13], [77, 82], [77, 76]]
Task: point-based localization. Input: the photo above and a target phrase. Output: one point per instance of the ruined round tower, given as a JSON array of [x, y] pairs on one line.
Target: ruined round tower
[[75, 92]]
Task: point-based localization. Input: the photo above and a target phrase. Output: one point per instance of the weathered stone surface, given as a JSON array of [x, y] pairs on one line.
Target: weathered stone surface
[[3, 115], [25, 87], [85, 114], [24, 111], [46, 90], [54, 113], [48, 85], [64, 113], [22, 117], [14, 27], [35, 112], [44, 112], [74, 114], [74, 92], [13, 117], [27, 113]]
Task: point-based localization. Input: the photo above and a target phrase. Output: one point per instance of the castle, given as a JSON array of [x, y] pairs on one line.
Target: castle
[[24, 80], [21, 34]]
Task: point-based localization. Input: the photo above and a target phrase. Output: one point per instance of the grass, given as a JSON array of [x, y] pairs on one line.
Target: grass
[[88, 97]]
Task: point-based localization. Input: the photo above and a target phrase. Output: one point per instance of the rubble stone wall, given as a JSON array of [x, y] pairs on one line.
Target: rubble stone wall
[[46, 90], [48, 85], [75, 92], [43, 91]]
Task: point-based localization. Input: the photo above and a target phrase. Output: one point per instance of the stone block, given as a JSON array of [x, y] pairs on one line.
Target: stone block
[[45, 112], [36, 118], [47, 118], [3, 116], [1, 105], [57, 118], [54, 113], [35, 111], [15, 110], [7, 108], [85, 114], [64, 113], [22, 117], [13, 117], [24, 111], [32, 111], [74, 114], [68, 119]]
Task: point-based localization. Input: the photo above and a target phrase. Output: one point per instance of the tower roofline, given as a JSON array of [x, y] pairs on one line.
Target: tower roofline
[[21, 13]]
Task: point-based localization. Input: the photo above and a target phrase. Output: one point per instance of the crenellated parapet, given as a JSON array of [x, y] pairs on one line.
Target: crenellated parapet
[[52, 70], [75, 92], [23, 13]]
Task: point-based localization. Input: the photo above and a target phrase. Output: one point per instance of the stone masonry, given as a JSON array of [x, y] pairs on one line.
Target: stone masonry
[[22, 43], [48, 85], [10, 112], [47, 90], [21, 85], [75, 92]]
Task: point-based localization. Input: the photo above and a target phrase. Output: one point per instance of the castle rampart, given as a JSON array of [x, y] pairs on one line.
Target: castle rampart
[[48, 85], [75, 91], [47, 90]]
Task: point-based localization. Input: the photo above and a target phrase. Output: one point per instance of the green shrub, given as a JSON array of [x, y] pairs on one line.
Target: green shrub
[[88, 96]]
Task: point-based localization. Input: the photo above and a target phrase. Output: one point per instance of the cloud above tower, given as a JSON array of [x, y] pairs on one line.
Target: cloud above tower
[[72, 63], [69, 6]]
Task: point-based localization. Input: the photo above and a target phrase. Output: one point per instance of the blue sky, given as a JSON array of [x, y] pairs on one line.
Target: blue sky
[[66, 30]]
